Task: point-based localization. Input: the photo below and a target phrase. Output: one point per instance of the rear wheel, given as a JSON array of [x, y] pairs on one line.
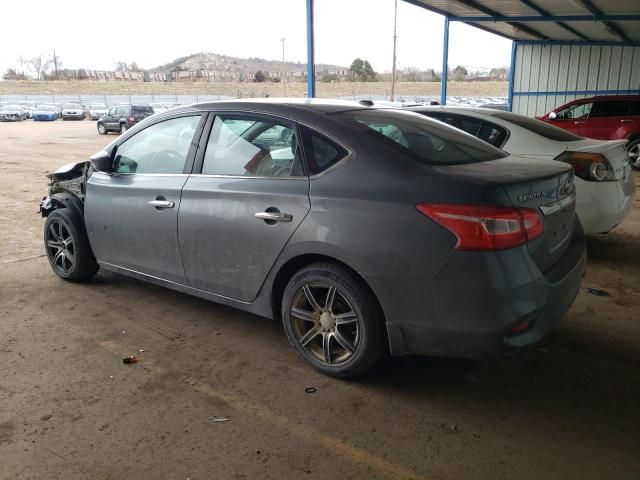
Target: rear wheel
[[123, 127], [332, 320], [67, 246], [634, 153], [102, 130]]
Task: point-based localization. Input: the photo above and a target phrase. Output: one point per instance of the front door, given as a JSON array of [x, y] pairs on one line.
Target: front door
[[240, 209], [132, 213]]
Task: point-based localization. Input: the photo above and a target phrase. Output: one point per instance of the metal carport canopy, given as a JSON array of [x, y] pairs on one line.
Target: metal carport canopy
[[599, 22]]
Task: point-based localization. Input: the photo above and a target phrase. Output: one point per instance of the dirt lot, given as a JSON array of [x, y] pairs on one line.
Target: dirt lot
[[69, 408], [297, 89]]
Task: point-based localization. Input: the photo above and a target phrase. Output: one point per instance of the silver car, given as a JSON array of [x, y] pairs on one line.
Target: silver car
[[363, 230]]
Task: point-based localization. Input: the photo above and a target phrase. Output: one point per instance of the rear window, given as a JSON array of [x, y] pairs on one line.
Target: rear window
[[321, 153], [634, 107], [538, 127], [425, 140], [142, 109], [489, 132]]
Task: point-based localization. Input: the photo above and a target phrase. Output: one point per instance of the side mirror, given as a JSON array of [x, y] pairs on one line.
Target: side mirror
[[553, 116], [102, 162]]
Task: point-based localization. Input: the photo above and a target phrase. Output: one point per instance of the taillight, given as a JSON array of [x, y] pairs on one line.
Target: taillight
[[592, 167], [132, 119], [486, 228]]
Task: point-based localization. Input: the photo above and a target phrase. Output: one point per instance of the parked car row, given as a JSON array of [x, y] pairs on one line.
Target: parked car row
[[386, 220], [76, 111]]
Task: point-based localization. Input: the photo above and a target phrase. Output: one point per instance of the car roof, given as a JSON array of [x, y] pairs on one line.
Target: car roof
[[454, 109], [282, 105]]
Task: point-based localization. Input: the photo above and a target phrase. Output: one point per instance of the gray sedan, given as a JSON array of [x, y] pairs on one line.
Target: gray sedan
[[363, 230]]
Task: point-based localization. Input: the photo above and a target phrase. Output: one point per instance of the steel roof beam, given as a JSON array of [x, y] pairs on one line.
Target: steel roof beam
[[610, 26], [493, 13], [549, 18]]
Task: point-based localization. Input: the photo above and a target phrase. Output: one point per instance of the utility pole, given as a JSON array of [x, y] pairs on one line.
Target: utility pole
[[284, 69], [55, 63], [393, 68]]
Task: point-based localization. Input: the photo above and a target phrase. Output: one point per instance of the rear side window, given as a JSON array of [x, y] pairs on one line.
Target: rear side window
[[251, 147], [320, 152], [423, 139], [610, 108], [634, 107], [142, 109], [486, 131], [538, 127]]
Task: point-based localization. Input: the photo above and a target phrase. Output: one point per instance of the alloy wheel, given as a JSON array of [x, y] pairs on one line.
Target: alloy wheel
[[325, 323], [634, 155], [60, 247]]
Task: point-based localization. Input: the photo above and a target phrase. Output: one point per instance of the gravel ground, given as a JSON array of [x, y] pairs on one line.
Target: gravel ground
[[69, 409]]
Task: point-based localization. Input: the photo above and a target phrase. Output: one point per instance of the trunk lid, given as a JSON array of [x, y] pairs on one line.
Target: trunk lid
[[544, 185]]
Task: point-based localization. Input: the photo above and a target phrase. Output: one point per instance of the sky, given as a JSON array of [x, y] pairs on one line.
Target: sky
[[88, 35]]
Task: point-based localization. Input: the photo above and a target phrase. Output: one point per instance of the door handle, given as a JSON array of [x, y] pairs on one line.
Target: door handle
[[274, 216], [626, 120], [578, 123], [162, 204]]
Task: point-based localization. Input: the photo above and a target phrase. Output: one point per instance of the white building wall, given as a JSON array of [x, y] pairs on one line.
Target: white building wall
[[549, 75]]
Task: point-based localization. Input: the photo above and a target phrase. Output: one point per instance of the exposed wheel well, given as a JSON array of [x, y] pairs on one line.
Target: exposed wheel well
[[295, 264]]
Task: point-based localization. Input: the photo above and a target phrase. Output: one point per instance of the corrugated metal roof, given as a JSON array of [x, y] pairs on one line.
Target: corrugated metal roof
[[569, 20]]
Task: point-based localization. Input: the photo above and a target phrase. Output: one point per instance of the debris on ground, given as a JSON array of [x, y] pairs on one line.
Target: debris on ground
[[124, 331], [46, 417], [141, 350], [310, 390], [130, 359], [222, 419], [597, 292]]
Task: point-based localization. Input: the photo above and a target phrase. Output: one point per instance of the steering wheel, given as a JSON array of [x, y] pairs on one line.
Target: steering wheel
[[164, 161]]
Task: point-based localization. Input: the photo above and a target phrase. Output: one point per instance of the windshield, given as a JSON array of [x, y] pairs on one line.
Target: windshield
[[71, 105], [98, 105], [11, 107], [426, 140], [538, 127], [46, 108]]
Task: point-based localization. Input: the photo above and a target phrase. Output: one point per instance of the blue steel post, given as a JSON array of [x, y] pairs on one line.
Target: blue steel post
[[445, 62], [512, 74], [311, 70]]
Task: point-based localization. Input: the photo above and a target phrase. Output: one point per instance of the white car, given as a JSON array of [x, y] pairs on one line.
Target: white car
[[605, 187], [96, 110], [72, 111]]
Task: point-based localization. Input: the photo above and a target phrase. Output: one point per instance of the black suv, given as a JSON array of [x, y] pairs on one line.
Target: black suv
[[122, 117]]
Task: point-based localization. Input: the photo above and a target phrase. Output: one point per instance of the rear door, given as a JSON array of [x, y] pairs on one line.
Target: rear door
[[605, 119], [246, 197], [132, 213]]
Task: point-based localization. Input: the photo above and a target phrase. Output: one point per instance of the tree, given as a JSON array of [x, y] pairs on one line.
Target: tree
[[411, 74], [459, 73], [362, 71], [11, 74], [259, 76], [133, 67], [499, 74], [122, 66], [40, 65]]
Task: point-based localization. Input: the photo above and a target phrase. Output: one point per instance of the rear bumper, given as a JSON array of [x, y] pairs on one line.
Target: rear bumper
[[469, 308], [601, 206]]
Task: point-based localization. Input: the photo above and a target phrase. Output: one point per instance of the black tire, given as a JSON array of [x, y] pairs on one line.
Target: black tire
[[365, 336], [633, 147], [123, 128], [102, 130], [64, 231]]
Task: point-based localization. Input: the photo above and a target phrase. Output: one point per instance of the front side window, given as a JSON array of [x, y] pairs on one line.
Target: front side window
[[423, 139], [582, 110], [160, 148], [252, 147]]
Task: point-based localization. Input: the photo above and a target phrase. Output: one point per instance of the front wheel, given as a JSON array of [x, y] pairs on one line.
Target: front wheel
[[332, 320], [633, 148], [67, 246], [102, 130]]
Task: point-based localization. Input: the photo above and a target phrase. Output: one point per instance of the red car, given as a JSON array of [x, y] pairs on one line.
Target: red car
[[605, 118]]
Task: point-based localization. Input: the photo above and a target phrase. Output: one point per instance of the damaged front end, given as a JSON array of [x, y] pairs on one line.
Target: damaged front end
[[67, 187]]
